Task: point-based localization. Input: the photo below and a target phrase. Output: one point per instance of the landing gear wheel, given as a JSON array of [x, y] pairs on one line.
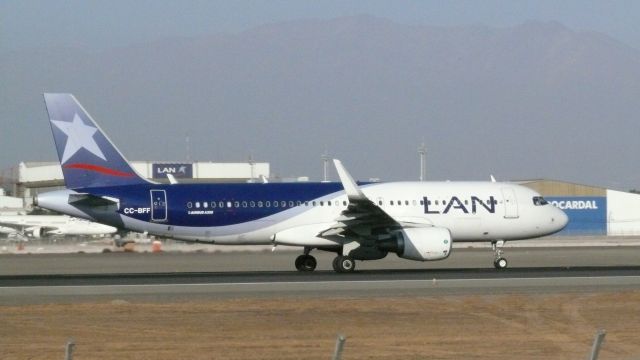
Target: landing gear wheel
[[306, 263], [500, 263], [344, 264], [336, 268]]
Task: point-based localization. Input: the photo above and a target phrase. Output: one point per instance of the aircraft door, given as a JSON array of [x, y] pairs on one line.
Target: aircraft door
[[510, 203], [158, 205]]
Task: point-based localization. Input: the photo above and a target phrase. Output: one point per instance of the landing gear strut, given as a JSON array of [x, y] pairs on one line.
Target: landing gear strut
[[499, 262], [306, 262], [344, 264]]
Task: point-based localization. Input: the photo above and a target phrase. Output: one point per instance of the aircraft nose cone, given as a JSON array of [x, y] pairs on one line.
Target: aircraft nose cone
[[561, 219]]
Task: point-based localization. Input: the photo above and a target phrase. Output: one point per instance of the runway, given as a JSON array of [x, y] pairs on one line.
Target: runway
[[176, 277]]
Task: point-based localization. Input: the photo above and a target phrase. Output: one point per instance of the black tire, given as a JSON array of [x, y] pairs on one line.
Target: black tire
[[309, 263], [501, 263], [299, 262], [306, 263], [335, 263], [344, 264]]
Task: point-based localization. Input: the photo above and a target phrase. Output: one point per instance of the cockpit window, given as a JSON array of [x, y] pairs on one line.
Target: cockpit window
[[539, 201]]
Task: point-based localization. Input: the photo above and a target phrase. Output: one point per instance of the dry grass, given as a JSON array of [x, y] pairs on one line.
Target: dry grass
[[546, 326]]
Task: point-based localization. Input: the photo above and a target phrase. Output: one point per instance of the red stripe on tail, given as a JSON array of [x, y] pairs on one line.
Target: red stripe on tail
[[100, 169]]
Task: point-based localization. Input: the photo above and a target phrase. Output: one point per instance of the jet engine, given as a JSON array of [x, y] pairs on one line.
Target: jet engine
[[36, 232], [421, 244]]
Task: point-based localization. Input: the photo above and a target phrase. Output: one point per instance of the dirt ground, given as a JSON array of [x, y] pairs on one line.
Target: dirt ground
[[541, 326]]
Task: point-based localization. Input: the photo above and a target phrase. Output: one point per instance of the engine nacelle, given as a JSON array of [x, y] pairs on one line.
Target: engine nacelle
[[36, 232], [421, 244]]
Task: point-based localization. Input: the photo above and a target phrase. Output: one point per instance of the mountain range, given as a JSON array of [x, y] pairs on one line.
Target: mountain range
[[537, 100]]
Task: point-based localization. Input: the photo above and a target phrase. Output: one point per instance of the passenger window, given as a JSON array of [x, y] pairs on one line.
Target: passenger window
[[205, 204], [291, 204], [189, 205], [390, 202], [244, 204], [213, 204], [197, 205]]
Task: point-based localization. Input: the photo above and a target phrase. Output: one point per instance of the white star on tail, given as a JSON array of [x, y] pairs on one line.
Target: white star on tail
[[79, 136]]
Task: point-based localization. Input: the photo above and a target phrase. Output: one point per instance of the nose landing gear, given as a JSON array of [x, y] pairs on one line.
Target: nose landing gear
[[499, 262]]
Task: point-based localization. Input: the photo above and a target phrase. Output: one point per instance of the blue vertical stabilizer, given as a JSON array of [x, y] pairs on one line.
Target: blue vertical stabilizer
[[88, 158]]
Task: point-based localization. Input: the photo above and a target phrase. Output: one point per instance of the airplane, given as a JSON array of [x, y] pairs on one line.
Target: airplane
[[358, 221], [38, 226]]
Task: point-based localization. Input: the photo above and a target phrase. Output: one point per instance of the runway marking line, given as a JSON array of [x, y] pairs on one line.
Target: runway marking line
[[426, 281]]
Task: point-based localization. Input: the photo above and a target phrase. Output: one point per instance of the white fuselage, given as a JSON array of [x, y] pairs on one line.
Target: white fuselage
[[471, 211]]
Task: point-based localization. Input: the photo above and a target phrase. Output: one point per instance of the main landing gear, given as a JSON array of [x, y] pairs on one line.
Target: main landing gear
[[341, 264], [499, 262], [344, 264], [306, 262]]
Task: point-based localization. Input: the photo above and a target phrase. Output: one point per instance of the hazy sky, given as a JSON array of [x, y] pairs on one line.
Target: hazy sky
[[229, 88], [99, 24]]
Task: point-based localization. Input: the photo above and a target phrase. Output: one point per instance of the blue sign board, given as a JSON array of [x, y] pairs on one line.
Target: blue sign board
[[179, 171], [587, 214]]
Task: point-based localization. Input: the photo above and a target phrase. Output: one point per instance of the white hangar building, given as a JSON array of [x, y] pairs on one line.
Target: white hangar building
[[31, 178]]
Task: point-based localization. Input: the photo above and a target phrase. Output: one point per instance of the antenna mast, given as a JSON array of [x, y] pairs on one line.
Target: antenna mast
[[422, 150], [325, 160]]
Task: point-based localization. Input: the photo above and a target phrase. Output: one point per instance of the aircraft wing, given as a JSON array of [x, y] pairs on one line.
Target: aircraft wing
[[21, 228], [361, 212], [11, 225]]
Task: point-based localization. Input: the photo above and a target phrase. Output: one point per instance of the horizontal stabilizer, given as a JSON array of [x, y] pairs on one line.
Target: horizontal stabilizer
[[92, 200]]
